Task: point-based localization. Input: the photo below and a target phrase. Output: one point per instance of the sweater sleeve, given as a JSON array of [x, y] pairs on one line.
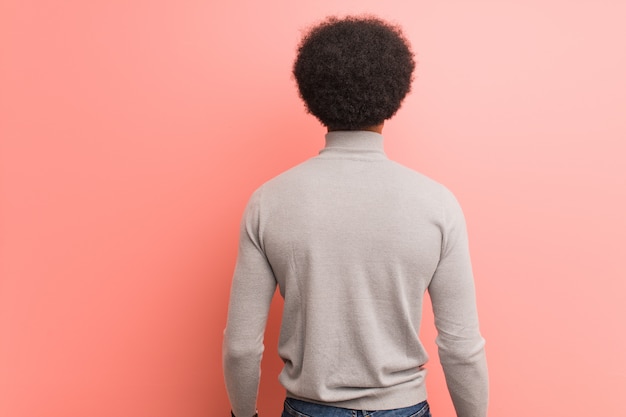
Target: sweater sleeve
[[460, 344], [253, 287]]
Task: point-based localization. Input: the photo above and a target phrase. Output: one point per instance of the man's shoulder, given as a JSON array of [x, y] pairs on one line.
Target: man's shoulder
[[416, 178], [435, 190], [282, 180]]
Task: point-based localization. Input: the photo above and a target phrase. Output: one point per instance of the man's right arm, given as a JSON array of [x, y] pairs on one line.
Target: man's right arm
[[452, 292]]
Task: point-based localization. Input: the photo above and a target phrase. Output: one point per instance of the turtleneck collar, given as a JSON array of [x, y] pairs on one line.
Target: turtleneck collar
[[356, 143]]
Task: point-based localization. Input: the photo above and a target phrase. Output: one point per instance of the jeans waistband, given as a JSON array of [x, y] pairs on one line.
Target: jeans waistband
[[299, 408]]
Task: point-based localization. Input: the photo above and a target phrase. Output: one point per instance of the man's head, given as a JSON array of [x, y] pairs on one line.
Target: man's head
[[353, 73]]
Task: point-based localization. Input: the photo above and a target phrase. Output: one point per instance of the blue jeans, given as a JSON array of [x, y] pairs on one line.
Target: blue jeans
[[297, 408]]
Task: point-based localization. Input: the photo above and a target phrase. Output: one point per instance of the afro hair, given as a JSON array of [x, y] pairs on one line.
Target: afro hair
[[353, 73]]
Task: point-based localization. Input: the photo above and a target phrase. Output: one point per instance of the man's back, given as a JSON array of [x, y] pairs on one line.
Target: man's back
[[353, 241]]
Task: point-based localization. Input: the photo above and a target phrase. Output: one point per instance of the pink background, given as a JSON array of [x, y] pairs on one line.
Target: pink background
[[133, 132]]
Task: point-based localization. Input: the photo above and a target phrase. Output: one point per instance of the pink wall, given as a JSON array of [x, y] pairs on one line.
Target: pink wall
[[132, 134]]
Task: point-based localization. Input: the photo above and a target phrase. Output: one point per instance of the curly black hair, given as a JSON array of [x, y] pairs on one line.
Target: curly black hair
[[354, 72]]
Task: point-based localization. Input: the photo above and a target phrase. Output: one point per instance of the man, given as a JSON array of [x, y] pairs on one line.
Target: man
[[353, 241]]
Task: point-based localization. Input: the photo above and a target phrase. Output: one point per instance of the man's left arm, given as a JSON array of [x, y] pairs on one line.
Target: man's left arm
[[251, 294]]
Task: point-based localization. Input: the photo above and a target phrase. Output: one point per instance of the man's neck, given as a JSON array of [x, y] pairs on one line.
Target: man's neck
[[377, 128]]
